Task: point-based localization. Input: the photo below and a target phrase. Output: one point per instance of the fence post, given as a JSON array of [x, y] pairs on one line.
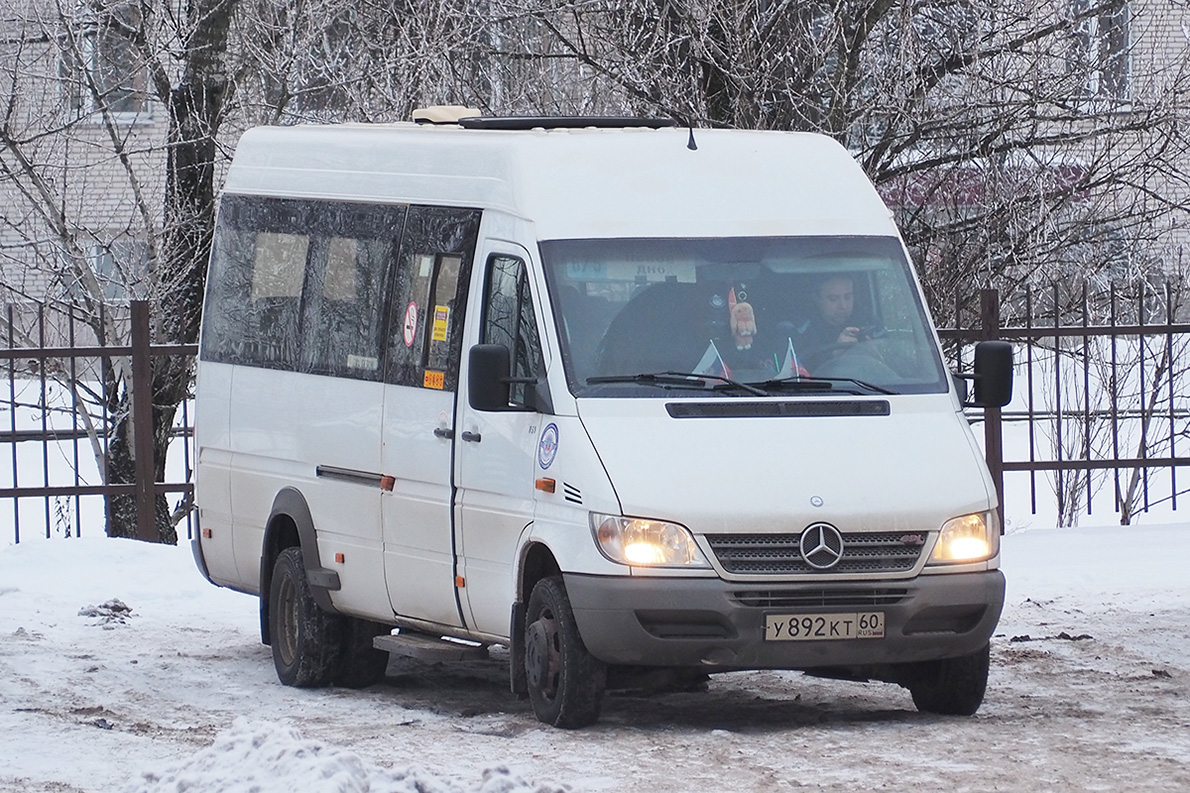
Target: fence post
[[993, 437], [142, 424]]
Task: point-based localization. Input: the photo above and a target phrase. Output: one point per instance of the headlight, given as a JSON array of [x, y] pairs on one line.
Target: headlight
[[971, 538], [645, 543]]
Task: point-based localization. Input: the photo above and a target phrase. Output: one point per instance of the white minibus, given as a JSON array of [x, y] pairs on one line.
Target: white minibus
[[614, 394]]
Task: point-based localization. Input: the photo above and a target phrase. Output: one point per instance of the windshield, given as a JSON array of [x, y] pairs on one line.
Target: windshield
[[642, 317]]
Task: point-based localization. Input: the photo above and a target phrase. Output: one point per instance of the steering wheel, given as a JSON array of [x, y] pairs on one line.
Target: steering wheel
[[866, 359]]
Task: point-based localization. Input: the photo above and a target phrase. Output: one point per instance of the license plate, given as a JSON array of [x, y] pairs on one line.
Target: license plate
[[823, 627]]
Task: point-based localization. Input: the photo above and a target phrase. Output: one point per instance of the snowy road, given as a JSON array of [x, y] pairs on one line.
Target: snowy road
[[137, 704]]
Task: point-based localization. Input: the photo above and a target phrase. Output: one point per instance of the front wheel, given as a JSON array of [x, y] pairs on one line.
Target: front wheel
[[306, 640], [566, 682], [952, 686]]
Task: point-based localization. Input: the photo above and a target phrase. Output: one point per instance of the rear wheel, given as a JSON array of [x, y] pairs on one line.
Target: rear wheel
[[952, 686], [306, 640], [566, 682]]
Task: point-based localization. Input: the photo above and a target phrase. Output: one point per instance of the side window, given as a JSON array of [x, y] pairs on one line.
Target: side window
[[509, 319], [278, 269], [254, 283], [343, 301], [300, 285], [429, 297]]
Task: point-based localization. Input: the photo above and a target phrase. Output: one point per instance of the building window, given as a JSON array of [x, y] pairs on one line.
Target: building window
[[102, 68], [120, 270], [1104, 48]]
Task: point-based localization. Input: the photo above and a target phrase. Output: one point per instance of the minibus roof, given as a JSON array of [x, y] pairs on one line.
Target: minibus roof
[[578, 183]]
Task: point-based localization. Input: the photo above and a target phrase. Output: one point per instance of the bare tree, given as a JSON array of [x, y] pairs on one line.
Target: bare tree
[[1003, 133], [108, 147]]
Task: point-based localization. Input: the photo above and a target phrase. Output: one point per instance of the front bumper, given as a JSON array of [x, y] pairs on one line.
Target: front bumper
[[718, 625]]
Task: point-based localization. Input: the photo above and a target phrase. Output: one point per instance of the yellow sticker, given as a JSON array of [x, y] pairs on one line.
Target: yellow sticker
[[434, 380], [441, 320]]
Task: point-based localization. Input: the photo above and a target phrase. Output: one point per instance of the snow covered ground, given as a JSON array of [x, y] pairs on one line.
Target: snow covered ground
[[1089, 691]]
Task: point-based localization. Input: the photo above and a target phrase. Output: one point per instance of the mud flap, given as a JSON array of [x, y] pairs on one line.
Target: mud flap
[[517, 677]]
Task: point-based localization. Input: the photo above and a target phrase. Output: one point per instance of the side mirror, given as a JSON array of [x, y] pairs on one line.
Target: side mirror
[[993, 373], [487, 377]]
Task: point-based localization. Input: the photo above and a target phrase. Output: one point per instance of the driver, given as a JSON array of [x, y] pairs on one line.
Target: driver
[[827, 334]]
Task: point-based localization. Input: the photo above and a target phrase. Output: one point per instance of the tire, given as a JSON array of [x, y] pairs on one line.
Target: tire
[[307, 641], [953, 686], [566, 683], [360, 664]]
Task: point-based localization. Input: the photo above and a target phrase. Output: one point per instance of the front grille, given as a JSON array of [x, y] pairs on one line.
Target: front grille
[[815, 598], [778, 554]]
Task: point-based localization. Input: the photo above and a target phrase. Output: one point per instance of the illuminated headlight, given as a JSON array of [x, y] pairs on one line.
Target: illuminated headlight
[[971, 538], [645, 543]]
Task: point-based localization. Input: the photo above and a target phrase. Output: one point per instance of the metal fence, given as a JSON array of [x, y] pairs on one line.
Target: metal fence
[[55, 415], [1101, 397], [1101, 400]]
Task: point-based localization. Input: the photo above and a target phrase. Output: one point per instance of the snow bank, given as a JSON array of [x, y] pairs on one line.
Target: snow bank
[[273, 758]]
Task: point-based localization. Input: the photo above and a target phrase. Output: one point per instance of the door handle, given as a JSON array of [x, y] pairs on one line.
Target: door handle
[[473, 437], [444, 432]]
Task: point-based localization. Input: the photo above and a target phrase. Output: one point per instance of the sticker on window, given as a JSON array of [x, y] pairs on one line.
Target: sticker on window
[[441, 321], [410, 325], [363, 362], [434, 380], [632, 271]]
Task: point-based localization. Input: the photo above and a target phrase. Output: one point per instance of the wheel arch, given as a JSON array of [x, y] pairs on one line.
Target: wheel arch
[[537, 562], [290, 524]]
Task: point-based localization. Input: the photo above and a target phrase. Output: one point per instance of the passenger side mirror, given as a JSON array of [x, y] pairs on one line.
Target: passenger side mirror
[[487, 377], [993, 373]]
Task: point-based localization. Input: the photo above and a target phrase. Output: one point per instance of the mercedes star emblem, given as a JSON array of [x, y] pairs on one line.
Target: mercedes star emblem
[[821, 546]]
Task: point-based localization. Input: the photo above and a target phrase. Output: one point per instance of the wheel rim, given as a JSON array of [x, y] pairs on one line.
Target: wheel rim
[[287, 610], [543, 656]]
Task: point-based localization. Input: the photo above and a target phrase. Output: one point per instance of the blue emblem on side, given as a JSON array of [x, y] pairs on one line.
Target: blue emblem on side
[[547, 447]]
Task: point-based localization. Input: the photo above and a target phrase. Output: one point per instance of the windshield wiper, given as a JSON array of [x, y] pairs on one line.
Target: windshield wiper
[[678, 379], [818, 384]]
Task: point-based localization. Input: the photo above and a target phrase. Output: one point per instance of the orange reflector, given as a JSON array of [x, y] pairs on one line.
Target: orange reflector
[[387, 483], [206, 533], [546, 485], [339, 558], [460, 582]]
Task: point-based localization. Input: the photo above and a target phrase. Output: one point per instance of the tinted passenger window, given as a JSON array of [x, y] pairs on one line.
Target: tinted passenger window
[[430, 296], [254, 283], [300, 285], [509, 319], [353, 249]]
